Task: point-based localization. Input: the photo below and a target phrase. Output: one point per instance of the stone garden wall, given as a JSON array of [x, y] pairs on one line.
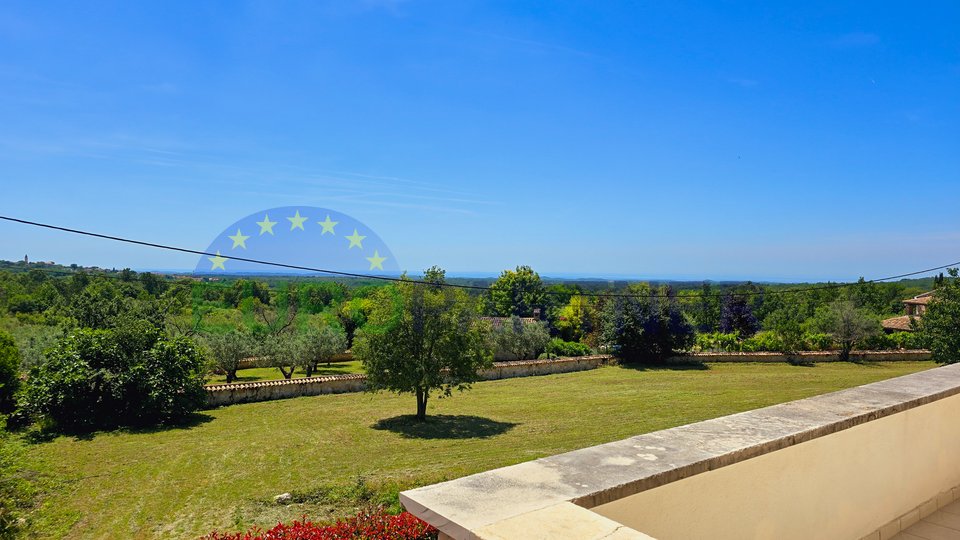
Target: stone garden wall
[[226, 394]]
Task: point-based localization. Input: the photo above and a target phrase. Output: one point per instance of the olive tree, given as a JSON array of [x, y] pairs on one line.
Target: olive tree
[[521, 339], [848, 325], [228, 350], [320, 346], [421, 338]]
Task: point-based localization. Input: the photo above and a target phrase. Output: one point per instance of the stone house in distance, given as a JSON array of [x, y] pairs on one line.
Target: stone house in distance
[[914, 307]]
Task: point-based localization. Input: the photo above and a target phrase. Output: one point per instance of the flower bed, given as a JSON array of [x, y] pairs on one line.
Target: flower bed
[[365, 526]]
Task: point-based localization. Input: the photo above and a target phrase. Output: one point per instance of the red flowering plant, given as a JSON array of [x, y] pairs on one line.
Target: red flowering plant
[[375, 525]]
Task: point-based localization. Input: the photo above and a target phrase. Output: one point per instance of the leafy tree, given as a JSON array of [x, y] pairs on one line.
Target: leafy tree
[[420, 339], [127, 376], [787, 324], [97, 305], [736, 315], [940, 325], [9, 371], [284, 351], [228, 350], [352, 315], [847, 324], [573, 321], [645, 328], [517, 292], [705, 310], [522, 340], [243, 288], [320, 346]]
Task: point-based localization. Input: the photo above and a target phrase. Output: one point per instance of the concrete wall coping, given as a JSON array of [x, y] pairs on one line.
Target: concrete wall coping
[[589, 477]]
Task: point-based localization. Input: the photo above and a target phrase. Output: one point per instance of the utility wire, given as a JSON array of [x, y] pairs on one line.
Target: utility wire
[[457, 285]]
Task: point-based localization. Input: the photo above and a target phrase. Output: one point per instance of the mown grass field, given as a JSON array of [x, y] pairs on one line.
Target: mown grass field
[[223, 470]]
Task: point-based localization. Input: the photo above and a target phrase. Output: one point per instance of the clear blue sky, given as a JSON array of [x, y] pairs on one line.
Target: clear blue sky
[[655, 139]]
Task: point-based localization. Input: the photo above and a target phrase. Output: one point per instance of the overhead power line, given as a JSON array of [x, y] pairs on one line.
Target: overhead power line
[[455, 285]]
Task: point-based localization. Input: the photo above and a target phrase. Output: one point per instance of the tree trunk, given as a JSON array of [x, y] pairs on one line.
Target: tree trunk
[[310, 368], [845, 352], [422, 404], [285, 374], [231, 375]]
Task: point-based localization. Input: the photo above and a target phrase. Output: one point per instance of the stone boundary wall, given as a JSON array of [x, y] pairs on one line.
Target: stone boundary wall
[[808, 356], [227, 394]]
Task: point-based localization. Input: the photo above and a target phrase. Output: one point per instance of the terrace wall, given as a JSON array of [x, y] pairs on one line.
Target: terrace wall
[[866, 462]]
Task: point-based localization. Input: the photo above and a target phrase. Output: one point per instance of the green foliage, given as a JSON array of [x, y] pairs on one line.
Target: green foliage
[[9, 372], [559, 347], [940, 325], [320, 345], [644, 328], [227, 350], [421, 338], [128, 376], [97, 305], [575, 320], [894, 340], [522, 340], [849, 325], [517, 292], [283, 351]]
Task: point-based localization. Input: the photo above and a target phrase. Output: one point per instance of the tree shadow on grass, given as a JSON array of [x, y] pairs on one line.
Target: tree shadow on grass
[[37, 436], [666, 366], [444, 426]]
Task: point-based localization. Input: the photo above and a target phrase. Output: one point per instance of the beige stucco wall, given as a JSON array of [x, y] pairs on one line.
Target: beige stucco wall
[[842, 486]]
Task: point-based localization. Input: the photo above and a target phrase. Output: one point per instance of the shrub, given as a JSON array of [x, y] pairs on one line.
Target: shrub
[[128, 376], [718, 342], [559, 347], [9, 371], [520, 339], [763, 341], [643, 327], [364, 526]]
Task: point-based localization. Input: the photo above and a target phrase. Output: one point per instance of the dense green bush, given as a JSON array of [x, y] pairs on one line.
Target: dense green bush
[[9, 371], [128, 376], [559, 347], [643, 327]]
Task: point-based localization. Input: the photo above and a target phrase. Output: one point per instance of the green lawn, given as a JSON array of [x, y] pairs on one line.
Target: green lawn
[[272, 373], [222, 472]]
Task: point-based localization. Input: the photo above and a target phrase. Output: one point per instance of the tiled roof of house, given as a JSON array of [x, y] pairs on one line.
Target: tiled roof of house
[[901, 323], [922, 299]]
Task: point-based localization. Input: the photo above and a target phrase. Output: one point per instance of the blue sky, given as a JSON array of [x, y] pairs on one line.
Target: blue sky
[[653, 139]]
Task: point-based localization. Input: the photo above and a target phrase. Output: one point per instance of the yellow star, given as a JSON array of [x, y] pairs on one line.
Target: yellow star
[[266, 225], [296, 222], [355, 240], [217, 262], [376, 261], [328, 226], [239, 240]]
